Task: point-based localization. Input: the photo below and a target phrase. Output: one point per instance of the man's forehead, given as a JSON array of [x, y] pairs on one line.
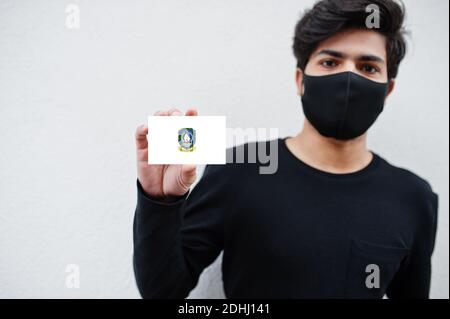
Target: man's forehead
[[355, 43]]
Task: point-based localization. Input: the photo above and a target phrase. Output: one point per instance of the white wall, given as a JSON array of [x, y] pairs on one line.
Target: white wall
[[71, 99]]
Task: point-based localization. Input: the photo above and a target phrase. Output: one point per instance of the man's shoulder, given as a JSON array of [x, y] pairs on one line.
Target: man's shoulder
[[407, 181]]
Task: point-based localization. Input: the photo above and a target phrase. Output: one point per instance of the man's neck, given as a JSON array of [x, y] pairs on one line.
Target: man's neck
[[330, 155]]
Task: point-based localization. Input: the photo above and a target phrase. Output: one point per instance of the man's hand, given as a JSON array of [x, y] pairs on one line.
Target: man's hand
[[163, 182]]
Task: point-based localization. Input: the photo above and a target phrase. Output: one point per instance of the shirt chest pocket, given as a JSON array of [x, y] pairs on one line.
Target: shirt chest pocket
[[371, 268]]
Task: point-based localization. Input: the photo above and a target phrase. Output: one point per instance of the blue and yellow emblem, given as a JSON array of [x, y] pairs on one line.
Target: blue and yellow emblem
[[186, 140]]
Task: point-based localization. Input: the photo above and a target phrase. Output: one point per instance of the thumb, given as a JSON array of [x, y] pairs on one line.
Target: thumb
[[188, 175]]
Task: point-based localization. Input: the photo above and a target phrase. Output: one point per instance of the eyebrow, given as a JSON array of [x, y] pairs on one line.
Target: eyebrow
[[365, 57]]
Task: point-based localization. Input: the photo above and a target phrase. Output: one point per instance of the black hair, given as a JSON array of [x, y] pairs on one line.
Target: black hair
[[328, 17]]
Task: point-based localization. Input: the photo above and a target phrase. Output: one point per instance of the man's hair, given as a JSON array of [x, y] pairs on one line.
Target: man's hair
[[328, 17]]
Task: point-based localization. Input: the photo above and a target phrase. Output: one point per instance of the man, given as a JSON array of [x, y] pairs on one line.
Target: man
[[335, 221]]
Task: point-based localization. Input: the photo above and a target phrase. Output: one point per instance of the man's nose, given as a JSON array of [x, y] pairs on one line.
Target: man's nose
[[350, 66]]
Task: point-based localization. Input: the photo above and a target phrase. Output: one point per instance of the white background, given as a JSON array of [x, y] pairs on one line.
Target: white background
[[70, 102]]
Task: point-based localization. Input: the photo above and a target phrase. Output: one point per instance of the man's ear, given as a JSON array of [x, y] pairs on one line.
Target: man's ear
[[391, 87], [299, 81]]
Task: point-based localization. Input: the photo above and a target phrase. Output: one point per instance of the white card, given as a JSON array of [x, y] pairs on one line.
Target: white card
[[197, 140]]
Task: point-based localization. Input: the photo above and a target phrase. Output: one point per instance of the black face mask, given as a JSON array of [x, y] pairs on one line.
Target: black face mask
[[344, 105]]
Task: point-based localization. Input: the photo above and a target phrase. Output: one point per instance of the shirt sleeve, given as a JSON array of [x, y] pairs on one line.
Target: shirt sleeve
[[413, 279], [174, 242]]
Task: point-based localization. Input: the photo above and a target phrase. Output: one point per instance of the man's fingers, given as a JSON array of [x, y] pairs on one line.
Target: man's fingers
[[177, 112], [188, 175], [142, 155], [174, 112], [189, 168], [161, 113], [141, 137], [192, 112]]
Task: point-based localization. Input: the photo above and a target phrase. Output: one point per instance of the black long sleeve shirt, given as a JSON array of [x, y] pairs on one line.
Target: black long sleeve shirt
[[298, 233]]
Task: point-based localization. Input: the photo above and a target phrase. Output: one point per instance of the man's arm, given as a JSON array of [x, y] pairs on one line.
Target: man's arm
[[174, 242]]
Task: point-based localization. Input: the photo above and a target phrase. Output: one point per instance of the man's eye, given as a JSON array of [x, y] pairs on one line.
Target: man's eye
[[329, 63], [370, 69]]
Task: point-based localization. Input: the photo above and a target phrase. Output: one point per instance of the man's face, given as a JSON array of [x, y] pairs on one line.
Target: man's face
[[360, 51]]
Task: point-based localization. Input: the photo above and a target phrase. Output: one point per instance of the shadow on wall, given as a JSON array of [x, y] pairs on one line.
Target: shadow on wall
[[210, 284]]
